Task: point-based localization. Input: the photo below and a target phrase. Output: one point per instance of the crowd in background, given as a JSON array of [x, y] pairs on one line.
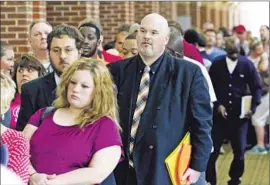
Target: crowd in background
[[66, 60]]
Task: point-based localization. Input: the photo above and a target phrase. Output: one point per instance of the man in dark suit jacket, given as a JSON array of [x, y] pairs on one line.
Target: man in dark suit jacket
[[231, 75], [64, 44], [178, 102]]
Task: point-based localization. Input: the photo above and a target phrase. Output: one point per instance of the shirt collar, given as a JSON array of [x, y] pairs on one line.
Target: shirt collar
[[230, 61], [154, 66], [57, 79]]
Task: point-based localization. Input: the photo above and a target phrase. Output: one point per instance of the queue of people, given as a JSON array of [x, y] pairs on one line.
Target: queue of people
[[74, 113]]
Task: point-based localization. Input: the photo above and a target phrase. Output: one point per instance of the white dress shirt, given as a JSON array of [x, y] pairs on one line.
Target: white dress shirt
[[57, 79], [231, 64]]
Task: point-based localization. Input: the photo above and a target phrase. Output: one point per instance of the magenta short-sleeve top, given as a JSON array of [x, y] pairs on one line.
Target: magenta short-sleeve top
[[57, 149]]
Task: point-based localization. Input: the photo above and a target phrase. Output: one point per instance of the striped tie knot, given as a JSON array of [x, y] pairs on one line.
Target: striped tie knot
[[147, 69]]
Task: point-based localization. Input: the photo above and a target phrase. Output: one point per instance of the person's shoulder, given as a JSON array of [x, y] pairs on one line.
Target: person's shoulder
[[244, 60], [194, 61], [36, 83], [105, 120], [121, 64], [220, 50], [183, 63], [219, 59], [104, 123], [110, 58], [15, 137]]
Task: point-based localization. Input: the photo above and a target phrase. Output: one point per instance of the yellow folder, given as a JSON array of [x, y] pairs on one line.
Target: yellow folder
[[178, 161]]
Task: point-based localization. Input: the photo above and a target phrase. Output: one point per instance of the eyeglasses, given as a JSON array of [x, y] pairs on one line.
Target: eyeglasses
[[174, 53]]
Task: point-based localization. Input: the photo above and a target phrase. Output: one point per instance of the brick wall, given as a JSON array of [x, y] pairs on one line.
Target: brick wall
[[166, 10], [182, 9], [110, 20], [92, 9], [69, 12], [17, 16], [143, 8], [15, 19]]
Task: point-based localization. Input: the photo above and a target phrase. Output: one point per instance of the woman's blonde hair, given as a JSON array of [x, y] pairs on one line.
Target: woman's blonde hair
[[8, 89], [104, 102], [254, 44]]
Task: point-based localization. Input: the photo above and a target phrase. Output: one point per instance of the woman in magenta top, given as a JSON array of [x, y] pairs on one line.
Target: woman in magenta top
[[79, 141], [27, 69]]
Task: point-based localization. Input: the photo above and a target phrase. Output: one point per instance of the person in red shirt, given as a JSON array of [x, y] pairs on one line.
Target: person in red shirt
[[189, 50], [16, 143]]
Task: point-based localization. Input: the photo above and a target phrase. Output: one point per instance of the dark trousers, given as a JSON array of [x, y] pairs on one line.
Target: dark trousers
[[131, 177], [236, 131]]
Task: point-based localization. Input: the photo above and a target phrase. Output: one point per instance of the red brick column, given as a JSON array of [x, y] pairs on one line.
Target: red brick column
[[39, 10], [195, 11], [114, 14], [203, 15], [224, 17], [217, 18]]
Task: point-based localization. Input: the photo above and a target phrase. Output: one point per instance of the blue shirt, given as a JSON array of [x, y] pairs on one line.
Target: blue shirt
[[217, 52], [7, 117]]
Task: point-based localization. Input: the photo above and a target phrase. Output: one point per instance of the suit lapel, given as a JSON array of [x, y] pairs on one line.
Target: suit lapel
[[49, 88], [127, 87], [156, 95]]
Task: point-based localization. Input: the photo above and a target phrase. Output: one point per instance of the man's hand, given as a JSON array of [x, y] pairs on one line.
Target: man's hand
[[222, 111], [191, 176], [248, 114]]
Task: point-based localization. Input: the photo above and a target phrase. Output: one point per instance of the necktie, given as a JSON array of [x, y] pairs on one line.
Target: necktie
[[140, 105]]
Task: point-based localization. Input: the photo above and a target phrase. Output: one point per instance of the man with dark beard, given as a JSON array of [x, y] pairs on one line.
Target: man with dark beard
[[64, 45], [91, 35]]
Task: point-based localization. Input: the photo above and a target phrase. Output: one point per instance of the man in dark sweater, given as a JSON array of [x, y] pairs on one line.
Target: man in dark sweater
[[231, 75]]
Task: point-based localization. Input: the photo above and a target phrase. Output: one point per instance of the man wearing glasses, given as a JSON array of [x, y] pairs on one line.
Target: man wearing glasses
[[64, 45], [175, 48]]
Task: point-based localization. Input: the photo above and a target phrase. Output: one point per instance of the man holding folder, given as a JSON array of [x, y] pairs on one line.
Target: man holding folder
[[160, 99], [231, 75]]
